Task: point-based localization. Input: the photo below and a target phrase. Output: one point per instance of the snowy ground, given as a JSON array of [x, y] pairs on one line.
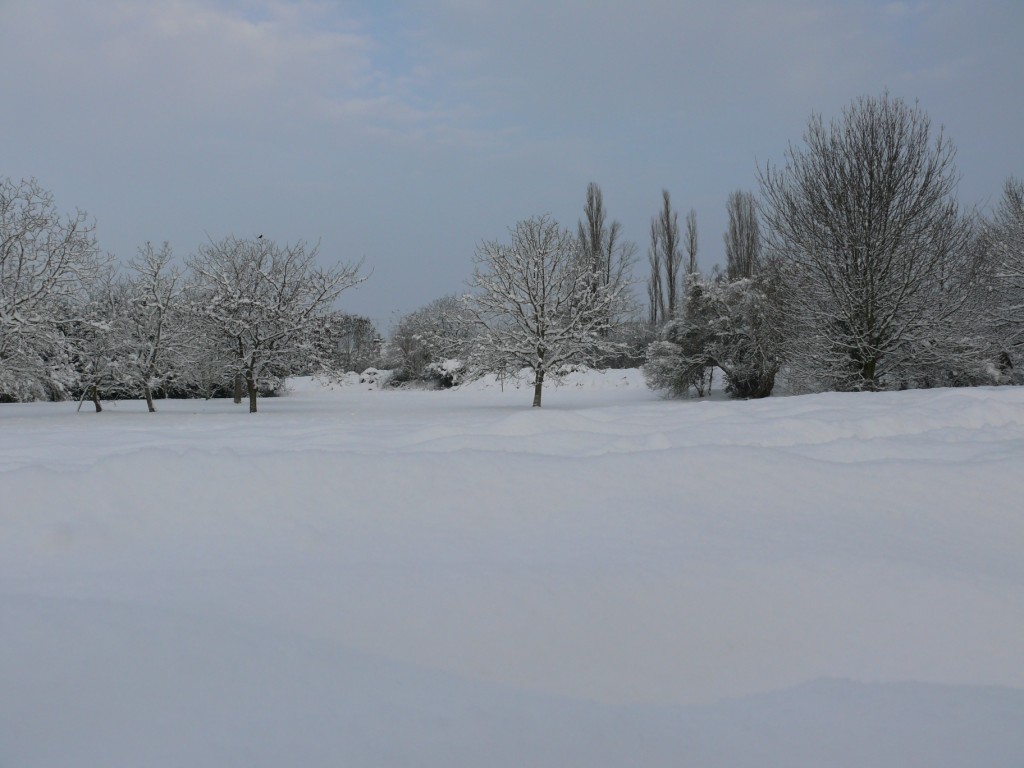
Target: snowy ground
[[355, 577]]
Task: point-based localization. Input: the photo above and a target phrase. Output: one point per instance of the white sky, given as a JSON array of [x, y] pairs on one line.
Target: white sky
[[407, 135]]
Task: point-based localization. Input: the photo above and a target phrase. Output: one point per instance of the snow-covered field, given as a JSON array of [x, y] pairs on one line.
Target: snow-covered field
[[356, 577]]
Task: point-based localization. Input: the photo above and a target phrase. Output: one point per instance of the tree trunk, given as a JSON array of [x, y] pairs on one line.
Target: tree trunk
[[250, 385], [149, 397], [868, 374], [538, 386], [96, 398], [239, 388]]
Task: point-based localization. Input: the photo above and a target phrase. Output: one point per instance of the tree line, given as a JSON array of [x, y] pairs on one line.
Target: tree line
[[240, 317], [855, 268], [868, 275]]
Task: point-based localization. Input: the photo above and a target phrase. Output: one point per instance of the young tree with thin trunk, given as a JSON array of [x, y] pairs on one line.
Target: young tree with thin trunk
[[154, 319], [535, 303]]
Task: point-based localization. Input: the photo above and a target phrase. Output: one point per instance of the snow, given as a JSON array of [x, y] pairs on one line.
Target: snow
[[378, 577]]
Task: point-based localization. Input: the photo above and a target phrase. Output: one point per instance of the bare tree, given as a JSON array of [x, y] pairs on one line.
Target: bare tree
[[1004, 241], [536, 305], [265, 301], [691, 243], [602, 249], [664, 255], [865, 233], [46, 263], [596, 239], [655, 294], [743, 237]]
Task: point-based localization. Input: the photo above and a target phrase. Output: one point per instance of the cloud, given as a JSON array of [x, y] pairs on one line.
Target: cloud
[[196, 61], [408, 131]]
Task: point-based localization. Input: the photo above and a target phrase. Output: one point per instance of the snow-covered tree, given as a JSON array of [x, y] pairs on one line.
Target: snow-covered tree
[[47, 260], [536, 305], [160, 344], [350, 342], [100, 346], [1004, 243], [868, 242], [265, 302], [433, 342], [727, 324]]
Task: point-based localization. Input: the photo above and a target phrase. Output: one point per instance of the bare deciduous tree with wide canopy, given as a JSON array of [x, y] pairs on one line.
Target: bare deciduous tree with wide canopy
[[873, 251]]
